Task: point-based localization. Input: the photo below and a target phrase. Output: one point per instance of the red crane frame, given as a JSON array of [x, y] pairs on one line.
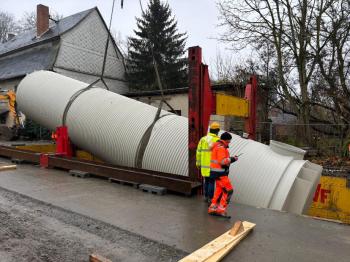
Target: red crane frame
[[202, 103]]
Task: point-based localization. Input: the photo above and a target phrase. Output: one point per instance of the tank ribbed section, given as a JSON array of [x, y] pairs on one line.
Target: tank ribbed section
[[288, 150], [44, 98], [260, 165], [111, 127], [167, 149]]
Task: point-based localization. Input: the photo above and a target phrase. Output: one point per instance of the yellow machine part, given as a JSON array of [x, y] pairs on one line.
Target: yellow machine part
[[227, 105], [44, 148], [332, 199], [51, 148], [80, 154], [13, 117], [10, 97]]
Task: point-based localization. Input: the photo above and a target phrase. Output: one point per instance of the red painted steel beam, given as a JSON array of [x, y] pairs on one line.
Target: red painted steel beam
[[206, 101], [28, 156], [172, 182], [194, 97], [199, 105], [251, 95]]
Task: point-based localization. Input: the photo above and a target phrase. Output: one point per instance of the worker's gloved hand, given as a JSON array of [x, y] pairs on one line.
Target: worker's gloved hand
[[234, 158]]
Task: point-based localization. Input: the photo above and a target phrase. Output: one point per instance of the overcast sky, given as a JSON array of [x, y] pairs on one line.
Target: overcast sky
[[199, 18]]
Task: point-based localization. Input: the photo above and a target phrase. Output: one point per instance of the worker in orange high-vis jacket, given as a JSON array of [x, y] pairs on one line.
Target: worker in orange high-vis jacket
[[219, 169]]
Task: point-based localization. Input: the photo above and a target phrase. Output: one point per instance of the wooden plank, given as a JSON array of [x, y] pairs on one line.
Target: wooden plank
[[223, 252], [7, 167], [219, 247], [98, 258], [217, 256]]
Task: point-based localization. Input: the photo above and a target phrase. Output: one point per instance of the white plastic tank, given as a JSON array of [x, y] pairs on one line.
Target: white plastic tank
[[287, 150]]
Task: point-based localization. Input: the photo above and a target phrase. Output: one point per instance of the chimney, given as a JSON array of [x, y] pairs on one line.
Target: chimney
[[42, 19]]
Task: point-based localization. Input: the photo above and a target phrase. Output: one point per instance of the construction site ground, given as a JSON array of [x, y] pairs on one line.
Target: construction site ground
[[48, 215]]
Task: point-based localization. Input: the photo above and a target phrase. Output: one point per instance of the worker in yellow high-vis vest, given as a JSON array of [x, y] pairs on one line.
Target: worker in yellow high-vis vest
[[203, 157]]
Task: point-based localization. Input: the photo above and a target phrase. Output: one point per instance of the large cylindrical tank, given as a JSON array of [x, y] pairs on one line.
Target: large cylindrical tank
[[111, 127]]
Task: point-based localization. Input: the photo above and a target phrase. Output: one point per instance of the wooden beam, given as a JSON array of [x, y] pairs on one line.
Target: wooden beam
[[7, 167], [237, 228], [223, 252], [219, 247], [98, 258]]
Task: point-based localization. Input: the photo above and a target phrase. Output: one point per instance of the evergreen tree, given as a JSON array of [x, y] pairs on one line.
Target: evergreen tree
[[157, 36]]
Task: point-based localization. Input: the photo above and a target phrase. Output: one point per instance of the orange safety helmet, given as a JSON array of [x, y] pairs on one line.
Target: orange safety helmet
[[215, 125]]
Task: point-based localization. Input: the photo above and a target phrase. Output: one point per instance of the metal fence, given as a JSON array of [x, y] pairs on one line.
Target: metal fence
[[323, 139]]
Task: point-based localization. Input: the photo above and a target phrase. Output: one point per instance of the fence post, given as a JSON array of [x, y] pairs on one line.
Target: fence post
[[270, 130]]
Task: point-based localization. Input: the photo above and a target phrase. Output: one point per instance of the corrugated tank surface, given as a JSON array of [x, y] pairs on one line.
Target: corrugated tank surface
[[111, 127]]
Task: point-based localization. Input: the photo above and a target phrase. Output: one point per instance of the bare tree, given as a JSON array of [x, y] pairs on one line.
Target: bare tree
[[333, 53], [7, 25], [223, 68], [286, 26], [28, 20], [332, 48]]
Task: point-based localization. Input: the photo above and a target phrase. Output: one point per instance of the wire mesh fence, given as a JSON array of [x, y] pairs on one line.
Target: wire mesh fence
[[317, 139]]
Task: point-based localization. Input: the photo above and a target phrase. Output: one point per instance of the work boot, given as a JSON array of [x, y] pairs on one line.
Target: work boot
[[212, 209], [221, 211]]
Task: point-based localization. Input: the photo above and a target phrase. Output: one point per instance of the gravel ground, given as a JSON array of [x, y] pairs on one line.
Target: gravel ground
[[31, 230]]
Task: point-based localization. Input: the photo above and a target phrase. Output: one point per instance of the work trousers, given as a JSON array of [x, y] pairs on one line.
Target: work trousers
[[209, 184], [223, 191]]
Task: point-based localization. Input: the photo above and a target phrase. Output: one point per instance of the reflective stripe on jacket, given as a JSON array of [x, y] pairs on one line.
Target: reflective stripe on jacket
[[220, 158], [203, 153]]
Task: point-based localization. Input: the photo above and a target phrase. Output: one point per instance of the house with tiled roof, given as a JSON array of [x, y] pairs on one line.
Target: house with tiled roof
[[74, 46]]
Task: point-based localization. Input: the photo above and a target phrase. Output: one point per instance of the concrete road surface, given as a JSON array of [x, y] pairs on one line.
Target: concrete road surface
[[182, 222]]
